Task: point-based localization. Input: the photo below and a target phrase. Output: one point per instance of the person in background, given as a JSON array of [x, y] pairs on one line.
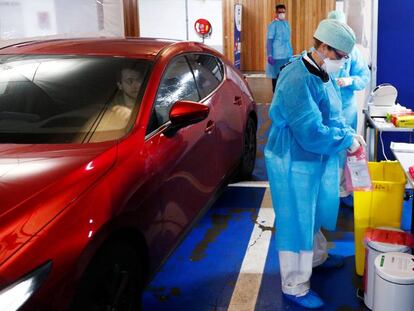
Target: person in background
[[279, 47], [353, 76], [301, 155]]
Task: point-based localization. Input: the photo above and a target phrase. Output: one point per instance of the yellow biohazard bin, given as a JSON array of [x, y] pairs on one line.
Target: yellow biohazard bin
[[380, 207]]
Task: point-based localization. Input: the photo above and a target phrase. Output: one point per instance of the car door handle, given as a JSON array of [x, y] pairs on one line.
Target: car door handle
[[210, 126], [237, 100]]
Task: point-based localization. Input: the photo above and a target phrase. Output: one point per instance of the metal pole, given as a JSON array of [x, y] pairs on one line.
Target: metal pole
[[186, 19], [374, 44]]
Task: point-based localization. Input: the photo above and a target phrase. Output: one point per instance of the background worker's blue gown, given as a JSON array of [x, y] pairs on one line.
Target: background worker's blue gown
[[356, 68], [279, 33]]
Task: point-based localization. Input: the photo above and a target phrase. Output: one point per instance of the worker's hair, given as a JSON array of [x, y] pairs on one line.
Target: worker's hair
[[280, 6], [317, 43], [134, 68]]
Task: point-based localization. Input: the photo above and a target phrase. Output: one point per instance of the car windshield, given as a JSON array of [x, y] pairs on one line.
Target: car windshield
[[68, 99]]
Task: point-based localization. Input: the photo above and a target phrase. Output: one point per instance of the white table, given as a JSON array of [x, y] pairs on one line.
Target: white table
[[372, 129], [406, 159]]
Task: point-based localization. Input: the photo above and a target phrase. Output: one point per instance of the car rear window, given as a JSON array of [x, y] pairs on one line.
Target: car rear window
[[208, 72], [68, 99]]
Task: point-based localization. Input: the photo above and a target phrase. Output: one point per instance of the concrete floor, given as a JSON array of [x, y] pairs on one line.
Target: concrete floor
[[260, 87], [229, 260]]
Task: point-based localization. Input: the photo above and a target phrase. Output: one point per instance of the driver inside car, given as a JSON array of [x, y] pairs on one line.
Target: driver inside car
[[114, 122], [129, 83]]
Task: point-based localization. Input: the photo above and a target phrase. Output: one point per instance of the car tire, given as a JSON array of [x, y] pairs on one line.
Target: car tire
[[249, 151], [112, 281]]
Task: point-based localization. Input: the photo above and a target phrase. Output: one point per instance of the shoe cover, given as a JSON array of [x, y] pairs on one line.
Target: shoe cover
[[311, 300]]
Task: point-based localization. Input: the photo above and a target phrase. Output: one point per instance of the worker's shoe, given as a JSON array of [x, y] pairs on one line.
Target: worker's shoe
[[332, 262], [310, 300], [347, 201]]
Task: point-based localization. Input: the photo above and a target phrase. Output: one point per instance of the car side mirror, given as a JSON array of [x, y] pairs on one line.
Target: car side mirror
[[185, 112]]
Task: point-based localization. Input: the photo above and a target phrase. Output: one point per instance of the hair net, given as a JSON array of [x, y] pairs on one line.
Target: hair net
[[337, 15], [336, 34]]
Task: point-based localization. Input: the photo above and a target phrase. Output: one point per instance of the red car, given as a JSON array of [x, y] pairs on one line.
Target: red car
[[110, 149]]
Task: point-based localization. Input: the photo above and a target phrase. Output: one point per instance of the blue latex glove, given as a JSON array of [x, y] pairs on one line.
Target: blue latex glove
[[270, 60]]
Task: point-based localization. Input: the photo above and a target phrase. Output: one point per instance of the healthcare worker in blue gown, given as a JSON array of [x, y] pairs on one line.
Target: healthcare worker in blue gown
[[279, 48], [306, 136], [353, 76]]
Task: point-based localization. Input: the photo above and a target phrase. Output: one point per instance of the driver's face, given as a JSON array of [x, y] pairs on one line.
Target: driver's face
[[130, 82]]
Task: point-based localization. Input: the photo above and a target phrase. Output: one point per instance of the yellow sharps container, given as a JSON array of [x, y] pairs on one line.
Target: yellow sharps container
[[380, 207]]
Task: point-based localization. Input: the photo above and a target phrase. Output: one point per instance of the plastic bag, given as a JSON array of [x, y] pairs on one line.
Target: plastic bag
[[357, 177], [411, 171]]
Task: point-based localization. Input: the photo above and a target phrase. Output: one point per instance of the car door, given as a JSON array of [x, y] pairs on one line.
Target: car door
[[187, 157], [225, 97]]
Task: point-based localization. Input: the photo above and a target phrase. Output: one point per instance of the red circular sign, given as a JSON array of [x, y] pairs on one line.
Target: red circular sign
[[203, 27]]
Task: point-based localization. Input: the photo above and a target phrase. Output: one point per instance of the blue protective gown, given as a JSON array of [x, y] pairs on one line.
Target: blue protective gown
[[301, 155], [356, 68], [279, 33]]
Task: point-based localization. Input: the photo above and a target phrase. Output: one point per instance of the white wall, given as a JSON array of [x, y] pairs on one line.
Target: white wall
[[39, 18], [212, 11], [11, 15], [60, 18], [359, 14], [113, 15], [339, 5], [25, 18], [167, 19], [77, 15], [162, 19]]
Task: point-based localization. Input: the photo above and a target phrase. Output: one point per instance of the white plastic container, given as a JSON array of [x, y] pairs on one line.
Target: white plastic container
[[394, 282], [372, 250]]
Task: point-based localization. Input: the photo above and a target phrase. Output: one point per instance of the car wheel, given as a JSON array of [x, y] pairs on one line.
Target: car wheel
[[113, 281], [249, 151]]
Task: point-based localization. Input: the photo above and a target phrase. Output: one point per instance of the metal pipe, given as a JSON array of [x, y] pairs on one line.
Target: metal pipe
[[186, 20]]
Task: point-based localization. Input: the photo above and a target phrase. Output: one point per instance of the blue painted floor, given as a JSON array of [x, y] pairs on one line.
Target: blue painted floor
[[203, 271]]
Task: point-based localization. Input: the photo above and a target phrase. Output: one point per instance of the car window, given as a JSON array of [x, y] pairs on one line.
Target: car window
[[176, 84], [67, 99], [208, 72]]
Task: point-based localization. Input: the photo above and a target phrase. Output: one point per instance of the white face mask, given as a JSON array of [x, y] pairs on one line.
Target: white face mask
[[281, 16], [333, 65]]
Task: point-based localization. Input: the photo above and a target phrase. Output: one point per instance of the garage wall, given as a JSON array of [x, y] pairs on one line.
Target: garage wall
[[170, 21], [303, 16], [21, 19], [69, 18]]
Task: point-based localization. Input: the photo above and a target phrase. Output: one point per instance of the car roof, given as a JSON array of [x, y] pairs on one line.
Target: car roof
[[147, 48]]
